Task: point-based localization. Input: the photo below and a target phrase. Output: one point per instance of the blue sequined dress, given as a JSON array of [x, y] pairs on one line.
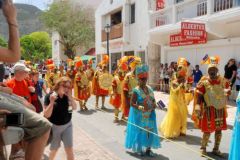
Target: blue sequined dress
[[234, 153], [138, 139]]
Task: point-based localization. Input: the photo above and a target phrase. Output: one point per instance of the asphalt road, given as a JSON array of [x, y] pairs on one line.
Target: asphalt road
[[110, 136]]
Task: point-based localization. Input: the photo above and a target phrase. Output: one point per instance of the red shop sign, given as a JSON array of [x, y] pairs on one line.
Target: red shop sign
[[178, 40], [193, 31], [159, 4]]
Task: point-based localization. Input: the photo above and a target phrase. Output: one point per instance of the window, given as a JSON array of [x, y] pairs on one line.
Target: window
[[114, 61], [132, 20], [178, 1], [116, 18], [142, 56]]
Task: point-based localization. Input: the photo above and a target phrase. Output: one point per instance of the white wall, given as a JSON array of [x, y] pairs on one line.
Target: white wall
[[135, 36], [224, 48]]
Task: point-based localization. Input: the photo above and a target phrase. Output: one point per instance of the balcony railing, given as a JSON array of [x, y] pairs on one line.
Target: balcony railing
[[161, 18], [187, 9], [191, 9], [220, 5], [116, 32]]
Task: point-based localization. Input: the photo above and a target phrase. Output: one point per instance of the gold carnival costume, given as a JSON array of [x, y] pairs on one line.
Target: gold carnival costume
[[81, 86], [130, 82], [210, 112], [117, 85], [102, 81]]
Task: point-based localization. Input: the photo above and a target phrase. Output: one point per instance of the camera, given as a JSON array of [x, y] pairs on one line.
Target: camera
[[12, 119], [1, 3]]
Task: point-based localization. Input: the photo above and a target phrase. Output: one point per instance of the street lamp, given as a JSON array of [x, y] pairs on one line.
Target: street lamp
[[107, 29]]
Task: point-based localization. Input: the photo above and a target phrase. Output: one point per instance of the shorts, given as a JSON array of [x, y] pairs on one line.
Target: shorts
[[35, 125], [62, 133]]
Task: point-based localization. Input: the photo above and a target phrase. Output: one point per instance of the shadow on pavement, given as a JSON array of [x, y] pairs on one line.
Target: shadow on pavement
[[121, 123], [108, 110], [156, 157], [225, 156], [88, 112]]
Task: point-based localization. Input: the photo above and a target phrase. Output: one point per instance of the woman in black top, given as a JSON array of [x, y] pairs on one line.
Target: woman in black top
[[230, 71], [58, 106]]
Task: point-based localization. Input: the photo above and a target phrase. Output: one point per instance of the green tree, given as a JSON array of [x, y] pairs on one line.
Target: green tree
[[36, 46], [74, 23], [3, 43]]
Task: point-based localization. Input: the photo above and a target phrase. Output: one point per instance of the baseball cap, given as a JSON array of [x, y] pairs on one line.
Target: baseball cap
[[20, 67]]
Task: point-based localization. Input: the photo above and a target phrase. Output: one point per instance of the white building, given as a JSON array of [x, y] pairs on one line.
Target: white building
[[222, 21], [129, 20]]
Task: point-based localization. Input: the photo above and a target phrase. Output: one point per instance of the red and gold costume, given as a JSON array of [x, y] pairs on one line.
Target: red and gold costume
[[102, 81], [130, 82], [210, 111], [117, 85], [81, 86], [71, 72], [51, 76], [90, 73]]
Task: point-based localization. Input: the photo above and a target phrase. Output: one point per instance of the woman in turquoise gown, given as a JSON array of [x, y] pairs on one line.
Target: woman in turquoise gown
[[142, 117], [234, 153]]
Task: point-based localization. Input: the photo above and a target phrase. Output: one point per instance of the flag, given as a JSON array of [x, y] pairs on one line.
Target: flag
[[205, 59], [160, 104]]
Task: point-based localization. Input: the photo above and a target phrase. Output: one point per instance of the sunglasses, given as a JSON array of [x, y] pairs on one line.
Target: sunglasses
[[67, 86]]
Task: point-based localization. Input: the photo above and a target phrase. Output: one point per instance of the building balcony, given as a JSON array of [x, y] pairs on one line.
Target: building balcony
[[172, 12], [116, 32]]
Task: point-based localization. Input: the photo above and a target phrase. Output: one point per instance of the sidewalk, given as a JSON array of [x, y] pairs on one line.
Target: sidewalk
[[231, 107], [85, 148]]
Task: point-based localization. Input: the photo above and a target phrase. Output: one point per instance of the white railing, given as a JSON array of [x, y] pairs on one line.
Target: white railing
[[220, 5], [191, 9], [188, 9], [161, 18]]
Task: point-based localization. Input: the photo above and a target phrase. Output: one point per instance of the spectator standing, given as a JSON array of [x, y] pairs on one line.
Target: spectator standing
[[166, 78], [230, 71], [161, 77], [238, 78], [57, 105], [197, 75], [39, 86]]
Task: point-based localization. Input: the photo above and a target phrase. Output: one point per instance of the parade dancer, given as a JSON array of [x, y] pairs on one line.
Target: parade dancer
[[81, 86], [71, 72], [142, 117], [210, 112], [130, 82], [174, 123], [234, 153], [90, 71], [101, 77], [117, 86]]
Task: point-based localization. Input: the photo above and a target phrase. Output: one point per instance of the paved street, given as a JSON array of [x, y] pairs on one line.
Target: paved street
[[96, 137]]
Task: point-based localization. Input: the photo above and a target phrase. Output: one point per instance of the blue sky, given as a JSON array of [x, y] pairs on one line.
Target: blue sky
[[42, 4]]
